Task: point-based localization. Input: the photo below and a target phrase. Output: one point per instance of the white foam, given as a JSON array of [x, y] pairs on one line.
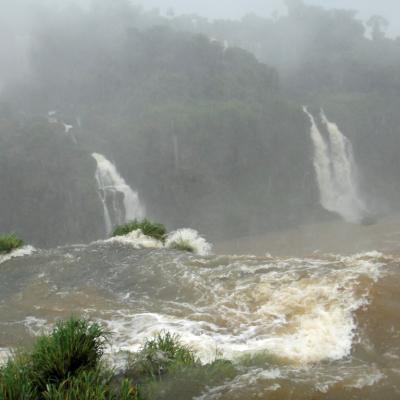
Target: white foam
[[21, 252], [299, 310], [370, 379], [36, 326], [136, 239], [5, 353], [190, 237], [243, 381]]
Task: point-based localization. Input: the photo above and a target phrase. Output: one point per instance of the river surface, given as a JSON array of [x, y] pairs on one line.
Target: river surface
[[316, 325]]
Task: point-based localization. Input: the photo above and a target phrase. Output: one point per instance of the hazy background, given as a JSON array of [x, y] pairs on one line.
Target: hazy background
[[202, 117], [238, 8]]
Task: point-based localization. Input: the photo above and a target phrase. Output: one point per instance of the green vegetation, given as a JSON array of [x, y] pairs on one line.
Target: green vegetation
[[74, 346], [148, 228], [161, 355], [64, 365], [182, 245], [258, 360], [9, 243], [68, 364], [15, 379], [166, 369], [40, 166], [91, 385], [212, 136], [188, 382]]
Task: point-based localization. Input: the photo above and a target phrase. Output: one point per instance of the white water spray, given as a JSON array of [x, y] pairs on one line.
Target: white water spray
[[336, 171], [120, 202]]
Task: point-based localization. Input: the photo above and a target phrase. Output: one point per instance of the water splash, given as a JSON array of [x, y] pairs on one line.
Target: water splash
[[186, 236], [137, 240], [21, 252], [120, 202], [191, 238], [336, 171]]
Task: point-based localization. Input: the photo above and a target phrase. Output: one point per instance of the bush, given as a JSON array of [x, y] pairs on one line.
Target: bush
[[74, 346], [189, 382], [10, 242], [88, 385], [91, 385], [15, 383], [159, 356], [147, 227], [66, 365], [182, 245], [166, 369]]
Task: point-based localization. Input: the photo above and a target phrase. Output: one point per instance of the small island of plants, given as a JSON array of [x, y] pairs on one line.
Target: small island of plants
[[181, 240], [148, 228], [9, 242]]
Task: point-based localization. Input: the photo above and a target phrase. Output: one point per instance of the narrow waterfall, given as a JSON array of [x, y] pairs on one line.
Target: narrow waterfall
[[336, 171], [120, 202]]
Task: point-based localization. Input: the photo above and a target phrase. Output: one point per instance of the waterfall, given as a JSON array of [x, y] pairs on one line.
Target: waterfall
[[120, 202], [336, 171]]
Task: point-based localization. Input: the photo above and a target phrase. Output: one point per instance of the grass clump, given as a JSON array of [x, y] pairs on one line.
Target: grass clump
[[15, 382], [148, 228], [258, 360], [74, 346], [166, 369], [67, 365], [9, 243], [182, 245], [189, 382], [64, 365], [91, 385], [159, 356]]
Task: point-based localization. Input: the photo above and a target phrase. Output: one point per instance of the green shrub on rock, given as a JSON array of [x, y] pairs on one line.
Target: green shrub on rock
[[9, 243], [160, 355], [148, 228]]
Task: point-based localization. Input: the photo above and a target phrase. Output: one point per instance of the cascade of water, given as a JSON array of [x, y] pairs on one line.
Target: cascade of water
[[335, 169], [120, 202]]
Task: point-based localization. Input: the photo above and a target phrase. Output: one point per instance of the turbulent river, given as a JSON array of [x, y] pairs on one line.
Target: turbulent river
[[321, 326]]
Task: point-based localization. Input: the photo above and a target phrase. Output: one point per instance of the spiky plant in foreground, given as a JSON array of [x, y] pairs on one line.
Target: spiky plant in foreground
[[65, 365], [74, 346]]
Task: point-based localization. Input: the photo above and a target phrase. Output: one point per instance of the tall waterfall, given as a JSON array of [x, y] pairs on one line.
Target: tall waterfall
[[336, 171], [120, 202]]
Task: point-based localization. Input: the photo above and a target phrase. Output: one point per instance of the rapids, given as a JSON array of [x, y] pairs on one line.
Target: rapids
[[321, 326]]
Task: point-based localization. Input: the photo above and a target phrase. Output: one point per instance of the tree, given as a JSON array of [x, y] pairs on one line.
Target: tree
[[378, 25]]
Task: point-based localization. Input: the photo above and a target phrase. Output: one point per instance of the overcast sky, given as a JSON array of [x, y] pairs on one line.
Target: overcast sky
[[237, 8], [234, 9]]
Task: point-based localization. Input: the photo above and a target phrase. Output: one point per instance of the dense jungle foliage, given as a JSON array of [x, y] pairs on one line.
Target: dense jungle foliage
[[204, 118]]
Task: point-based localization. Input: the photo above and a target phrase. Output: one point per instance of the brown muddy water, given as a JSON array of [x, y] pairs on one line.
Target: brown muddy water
[[317, 319]]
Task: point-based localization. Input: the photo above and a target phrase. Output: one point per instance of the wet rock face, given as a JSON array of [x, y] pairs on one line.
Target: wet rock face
[[50, 194]]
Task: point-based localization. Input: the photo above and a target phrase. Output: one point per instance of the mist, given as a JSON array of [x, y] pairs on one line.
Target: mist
[[211, 189], [199, 108]]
